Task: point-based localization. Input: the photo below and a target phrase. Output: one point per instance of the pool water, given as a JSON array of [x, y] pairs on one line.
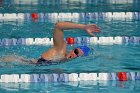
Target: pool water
[[70, 6], [103, 58], [45, 29], [69, 87]]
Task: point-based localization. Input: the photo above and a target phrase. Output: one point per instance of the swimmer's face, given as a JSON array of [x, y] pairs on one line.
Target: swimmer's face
[[75, 53]]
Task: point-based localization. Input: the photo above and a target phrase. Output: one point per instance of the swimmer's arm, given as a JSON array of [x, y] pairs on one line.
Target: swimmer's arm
[[60, 26], [70, 25]]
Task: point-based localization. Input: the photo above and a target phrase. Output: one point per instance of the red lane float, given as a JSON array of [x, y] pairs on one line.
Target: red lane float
[[70, 40], [35, 16], [122, 76]]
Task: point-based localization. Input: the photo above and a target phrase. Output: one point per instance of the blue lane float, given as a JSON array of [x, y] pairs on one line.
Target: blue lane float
[[64, 77], [77, 40]]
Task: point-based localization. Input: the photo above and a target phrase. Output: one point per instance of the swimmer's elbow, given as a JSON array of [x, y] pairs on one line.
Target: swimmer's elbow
[[59, 25]]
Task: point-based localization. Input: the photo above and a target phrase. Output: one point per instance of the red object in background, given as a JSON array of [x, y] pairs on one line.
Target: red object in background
[[70, 40], [122, 76], [35, 16]]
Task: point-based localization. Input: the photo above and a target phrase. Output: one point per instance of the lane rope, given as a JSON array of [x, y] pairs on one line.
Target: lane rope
[[54, 2], [76, 40], [55, 17], [64, 77]]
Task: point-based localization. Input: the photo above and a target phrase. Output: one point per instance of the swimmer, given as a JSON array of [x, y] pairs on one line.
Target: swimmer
[[59, 52]]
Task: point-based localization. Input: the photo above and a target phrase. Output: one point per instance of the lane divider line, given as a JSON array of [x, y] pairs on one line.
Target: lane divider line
[[76, 40], [55, 17], [64, 77]]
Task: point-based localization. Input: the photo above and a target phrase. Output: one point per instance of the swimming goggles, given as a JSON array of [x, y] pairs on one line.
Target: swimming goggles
[[76, 52]]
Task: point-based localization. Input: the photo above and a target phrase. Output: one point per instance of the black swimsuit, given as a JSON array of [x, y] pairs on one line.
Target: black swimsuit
[[42, 61]]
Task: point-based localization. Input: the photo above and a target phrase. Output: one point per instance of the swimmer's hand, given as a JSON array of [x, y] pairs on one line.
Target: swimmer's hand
[[92, 28]]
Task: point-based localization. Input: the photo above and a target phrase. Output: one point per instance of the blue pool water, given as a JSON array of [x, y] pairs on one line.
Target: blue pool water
[[103, 58], [76, 87], [29, 29]]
